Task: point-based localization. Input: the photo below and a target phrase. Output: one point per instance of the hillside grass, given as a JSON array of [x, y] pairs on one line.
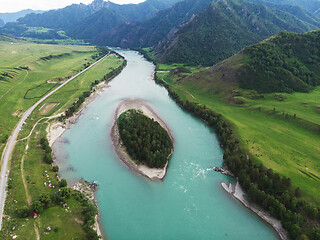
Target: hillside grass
[[283, 135], [65, 224]]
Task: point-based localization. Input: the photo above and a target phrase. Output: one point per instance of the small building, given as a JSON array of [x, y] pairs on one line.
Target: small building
[[34, 215]]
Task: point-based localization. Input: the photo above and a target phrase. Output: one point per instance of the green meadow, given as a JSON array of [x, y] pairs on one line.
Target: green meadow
[[23, 70], [280, 130]]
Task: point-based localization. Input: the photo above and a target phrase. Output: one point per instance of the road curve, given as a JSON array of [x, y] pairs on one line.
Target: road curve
[[12, 140]]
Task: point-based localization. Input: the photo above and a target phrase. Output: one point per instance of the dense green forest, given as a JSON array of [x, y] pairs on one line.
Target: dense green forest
[[145, 140], [226, 27], [285, 63]]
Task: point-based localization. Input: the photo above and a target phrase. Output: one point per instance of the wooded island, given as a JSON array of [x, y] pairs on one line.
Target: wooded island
[[145, 140]]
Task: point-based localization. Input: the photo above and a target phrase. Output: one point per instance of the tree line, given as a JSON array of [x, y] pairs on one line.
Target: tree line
[[272, 192], [146, 141]]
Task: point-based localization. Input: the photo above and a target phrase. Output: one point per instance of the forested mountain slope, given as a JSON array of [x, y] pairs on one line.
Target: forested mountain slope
[[103, 20], [286, 62], [151, 31], [295, 10], [310, 5], [223, 29]]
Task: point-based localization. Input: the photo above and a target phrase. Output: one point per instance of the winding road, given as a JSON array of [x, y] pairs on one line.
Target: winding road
[[12, 140]]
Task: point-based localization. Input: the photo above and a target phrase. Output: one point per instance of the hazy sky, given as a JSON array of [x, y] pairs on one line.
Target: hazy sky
[[17, 5]]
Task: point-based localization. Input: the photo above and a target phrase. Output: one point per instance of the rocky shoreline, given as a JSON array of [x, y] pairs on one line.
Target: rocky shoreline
[[238, 194], [151, 173], [89, 190]]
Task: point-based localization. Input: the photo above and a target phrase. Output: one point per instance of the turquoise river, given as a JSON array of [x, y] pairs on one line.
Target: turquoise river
[[189, 204]]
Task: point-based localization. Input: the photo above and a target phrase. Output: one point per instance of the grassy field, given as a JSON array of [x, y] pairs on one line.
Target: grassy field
[[21, 61], [28, 172], [64, 223], [280, 130]]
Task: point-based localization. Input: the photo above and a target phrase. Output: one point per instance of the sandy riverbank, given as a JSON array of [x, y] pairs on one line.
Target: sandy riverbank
[[238, 194], [151, 173], [55, 130]]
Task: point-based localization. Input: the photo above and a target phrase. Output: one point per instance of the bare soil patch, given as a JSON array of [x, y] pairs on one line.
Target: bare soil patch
[[47, 107]]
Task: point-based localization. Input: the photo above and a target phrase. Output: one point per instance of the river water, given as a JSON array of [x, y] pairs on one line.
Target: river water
[[188, 204]]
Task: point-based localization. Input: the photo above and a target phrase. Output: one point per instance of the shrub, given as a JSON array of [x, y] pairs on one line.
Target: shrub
[[23, 212], [37, 207], [48, 158], [55, 168], [45, 199], [63, 183]]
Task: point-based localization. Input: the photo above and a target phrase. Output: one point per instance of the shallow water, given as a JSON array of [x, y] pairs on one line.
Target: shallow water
[[188, 204]]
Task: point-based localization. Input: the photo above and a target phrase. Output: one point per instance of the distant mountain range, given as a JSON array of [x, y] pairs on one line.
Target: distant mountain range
[[12, 17], [150, 32], [114, 15], [75, 16], [196, 32], [86, 21]]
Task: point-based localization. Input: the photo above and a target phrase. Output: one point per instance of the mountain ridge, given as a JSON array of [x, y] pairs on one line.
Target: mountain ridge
[[150, 32], [223, 29]]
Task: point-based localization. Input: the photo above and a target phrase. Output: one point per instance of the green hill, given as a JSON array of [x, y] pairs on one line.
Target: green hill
[[285, 63], [223, 29]]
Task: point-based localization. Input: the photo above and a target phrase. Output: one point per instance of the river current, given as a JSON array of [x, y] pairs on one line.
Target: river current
[[189, 204]]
